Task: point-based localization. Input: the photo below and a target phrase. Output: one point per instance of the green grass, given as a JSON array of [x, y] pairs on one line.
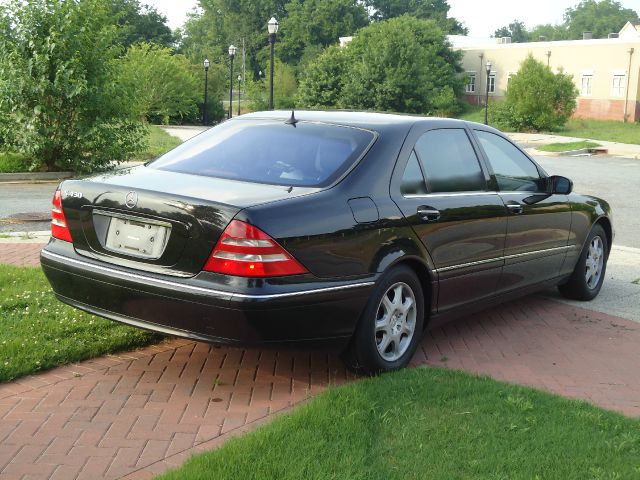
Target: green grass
[[430, 424], [39, 332], [567, 146], [607, 130], [159, 142], [11, 162]]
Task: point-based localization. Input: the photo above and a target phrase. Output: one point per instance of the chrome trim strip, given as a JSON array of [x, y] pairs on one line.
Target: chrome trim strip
[[504, 257], [460, 194], [208, 291]]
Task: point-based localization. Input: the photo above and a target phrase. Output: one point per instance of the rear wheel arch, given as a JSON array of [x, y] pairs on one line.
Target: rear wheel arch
[[425, 276]]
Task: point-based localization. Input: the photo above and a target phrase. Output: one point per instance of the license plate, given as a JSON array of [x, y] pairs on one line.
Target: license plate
[[137, 238]]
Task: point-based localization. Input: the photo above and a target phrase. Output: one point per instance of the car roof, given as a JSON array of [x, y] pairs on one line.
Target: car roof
[[367, 120]]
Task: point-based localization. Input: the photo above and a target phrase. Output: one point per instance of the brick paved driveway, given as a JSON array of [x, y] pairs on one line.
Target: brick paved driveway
[[137, 414]]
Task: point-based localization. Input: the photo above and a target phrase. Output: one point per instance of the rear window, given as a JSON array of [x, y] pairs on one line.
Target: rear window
[[264, 151]]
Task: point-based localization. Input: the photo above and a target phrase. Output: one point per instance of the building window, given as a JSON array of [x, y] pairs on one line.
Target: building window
[[586, 84], [471, 82], [617, 85], [509, 77], [492, 82]]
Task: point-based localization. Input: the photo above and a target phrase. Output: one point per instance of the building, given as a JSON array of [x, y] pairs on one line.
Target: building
[[606, 71]]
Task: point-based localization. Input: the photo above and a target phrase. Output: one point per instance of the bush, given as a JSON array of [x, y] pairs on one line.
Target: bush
[[165, 88], [537, 99], [402, 65], [58, 102]]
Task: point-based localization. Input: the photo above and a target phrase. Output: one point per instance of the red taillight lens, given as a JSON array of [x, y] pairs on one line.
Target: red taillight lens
[[59, 227], [246, 251]]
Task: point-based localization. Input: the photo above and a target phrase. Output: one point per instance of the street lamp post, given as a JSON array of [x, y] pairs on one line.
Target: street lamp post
[[205, 116], [232, 54], [486, 100], [239, 87], [272, 27]]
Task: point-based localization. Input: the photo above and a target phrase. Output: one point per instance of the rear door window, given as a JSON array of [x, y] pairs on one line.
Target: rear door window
[[266, 151], [449, 161]]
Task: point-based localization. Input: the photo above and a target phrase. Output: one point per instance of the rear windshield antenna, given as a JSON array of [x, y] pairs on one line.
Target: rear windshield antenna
[[292, 120]]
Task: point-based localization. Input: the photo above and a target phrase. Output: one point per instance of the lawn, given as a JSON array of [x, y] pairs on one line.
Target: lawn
[[39, 332], [159, 142], [567, 146], [607, 130], [430, 423]]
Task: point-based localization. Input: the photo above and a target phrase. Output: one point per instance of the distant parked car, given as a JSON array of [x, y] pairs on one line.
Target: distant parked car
[[357, 228]]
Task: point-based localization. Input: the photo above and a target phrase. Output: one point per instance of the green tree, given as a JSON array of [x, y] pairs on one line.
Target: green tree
[[317, 23], [537, 99], [58, 101], [140, 23], [322, 83], [284, 88], [163, 87], [404, 64], [437, 10], [549, 32], [599, 17], [516, 30]]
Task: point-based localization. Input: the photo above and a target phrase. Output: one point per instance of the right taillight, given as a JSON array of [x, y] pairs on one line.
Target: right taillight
[[59, 227], [246, 251]]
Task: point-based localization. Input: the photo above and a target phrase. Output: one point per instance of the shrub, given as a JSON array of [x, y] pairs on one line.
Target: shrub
[[58, 102], [537, 99]]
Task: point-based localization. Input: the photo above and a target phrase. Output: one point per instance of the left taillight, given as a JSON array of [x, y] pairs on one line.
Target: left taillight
[[59, 227]]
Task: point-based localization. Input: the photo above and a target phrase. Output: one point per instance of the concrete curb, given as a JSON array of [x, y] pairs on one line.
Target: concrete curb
[[34, 177]]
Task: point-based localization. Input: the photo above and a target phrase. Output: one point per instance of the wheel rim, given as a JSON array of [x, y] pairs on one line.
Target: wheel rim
[[395, 321], [594, 263]]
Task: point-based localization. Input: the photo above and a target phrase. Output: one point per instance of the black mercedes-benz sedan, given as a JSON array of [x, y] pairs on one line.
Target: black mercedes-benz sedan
[[361, 229]]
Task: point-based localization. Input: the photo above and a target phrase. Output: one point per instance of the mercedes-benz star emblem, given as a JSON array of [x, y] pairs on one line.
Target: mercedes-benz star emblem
[[131, 199]]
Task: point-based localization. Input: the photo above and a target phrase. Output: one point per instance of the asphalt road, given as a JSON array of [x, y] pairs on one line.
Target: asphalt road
[[615, 179]]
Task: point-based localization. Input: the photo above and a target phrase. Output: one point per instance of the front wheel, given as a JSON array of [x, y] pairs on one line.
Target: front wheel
[[587, 277], [391, 325]]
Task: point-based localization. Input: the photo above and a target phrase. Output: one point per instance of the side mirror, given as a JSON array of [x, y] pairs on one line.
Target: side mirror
[[559, 185]]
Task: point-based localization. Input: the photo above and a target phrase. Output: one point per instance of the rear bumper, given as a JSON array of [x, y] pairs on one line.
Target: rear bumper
[[207, 307]]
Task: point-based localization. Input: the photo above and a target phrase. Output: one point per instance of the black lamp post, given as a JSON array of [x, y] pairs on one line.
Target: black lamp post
[[486, 100], [272, 27], [232, 54], [239, 87], [205, 116]]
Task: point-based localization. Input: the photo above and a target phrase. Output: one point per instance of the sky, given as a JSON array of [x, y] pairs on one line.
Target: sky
[[481, 17]]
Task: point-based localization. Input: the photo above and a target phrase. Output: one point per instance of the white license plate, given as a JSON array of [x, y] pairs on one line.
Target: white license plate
[[137, 238]]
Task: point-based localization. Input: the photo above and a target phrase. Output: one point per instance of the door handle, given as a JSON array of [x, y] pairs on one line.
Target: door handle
[[515, 208], [428, 214]]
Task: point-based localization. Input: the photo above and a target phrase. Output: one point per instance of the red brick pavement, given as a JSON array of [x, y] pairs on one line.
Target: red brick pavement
[[137, 414], [21, 254]]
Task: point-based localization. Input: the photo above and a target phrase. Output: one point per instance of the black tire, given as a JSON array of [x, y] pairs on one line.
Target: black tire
[[578, 287], [363, 355]]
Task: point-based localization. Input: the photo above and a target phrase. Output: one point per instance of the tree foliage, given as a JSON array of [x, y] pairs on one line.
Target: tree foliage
[[516, 30], [140, 23], [403, 65], [163, 87], [537, 99], [436, 10], [599, 17], [317, 23], [58, 101]]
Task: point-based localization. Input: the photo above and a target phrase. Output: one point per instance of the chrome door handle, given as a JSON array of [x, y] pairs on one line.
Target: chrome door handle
[[515, 208], [429, 214]]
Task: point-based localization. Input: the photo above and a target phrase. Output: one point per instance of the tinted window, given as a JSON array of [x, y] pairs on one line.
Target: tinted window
[[449, 162], [307, 154], [412, 179], [513, 170]]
